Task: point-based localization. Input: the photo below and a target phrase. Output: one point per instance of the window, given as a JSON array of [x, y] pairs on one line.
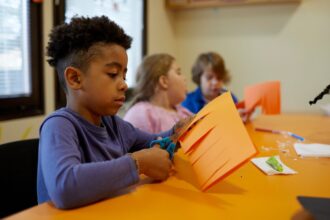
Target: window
[[129, 14], [21, 91]]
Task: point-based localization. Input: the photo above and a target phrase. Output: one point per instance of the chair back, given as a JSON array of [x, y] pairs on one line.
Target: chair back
[[18, 173]]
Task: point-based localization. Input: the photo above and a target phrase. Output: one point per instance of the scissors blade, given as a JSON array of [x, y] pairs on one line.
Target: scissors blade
[[182, 130]]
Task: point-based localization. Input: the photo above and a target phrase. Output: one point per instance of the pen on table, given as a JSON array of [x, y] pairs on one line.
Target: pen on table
[[281, 132], [296, 136]]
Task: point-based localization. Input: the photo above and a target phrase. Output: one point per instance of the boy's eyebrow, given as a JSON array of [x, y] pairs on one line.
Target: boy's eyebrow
[[116, 64]]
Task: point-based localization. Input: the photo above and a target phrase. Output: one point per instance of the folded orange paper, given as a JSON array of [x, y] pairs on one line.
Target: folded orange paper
[[267, 95], [218, 143]]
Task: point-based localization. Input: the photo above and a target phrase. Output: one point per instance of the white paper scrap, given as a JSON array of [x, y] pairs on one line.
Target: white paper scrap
[[312, 150], [260, 162]]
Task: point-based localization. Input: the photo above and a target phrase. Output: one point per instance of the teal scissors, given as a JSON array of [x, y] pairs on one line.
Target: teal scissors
[[170, 143], [165, 143]]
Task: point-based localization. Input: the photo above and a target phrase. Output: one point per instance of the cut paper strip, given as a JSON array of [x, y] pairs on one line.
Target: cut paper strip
[[236, 154], [195, 148], [218, 143], [267, 95], [261, 163], [207, 168], [312, 150], [201, 148], [191, 128], [190, 138]]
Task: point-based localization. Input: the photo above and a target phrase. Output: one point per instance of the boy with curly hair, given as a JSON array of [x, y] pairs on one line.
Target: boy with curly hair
[[86, 153]]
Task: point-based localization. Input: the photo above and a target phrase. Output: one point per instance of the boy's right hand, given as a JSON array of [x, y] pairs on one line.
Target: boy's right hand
[[153, 162]]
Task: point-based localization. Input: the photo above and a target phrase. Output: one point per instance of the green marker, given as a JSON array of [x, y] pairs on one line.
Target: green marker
[[274, 164]]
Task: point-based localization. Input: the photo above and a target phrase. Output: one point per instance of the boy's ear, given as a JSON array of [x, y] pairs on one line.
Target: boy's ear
[[163, 82], [73, 77]]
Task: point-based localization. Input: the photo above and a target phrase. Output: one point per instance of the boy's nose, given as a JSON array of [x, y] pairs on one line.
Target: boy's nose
[[123, 86], [215, 82]]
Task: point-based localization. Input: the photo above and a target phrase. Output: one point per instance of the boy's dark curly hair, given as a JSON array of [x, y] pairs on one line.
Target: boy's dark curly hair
[[71, 44]]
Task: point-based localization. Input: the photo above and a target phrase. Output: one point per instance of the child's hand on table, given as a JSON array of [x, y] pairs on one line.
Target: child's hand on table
[[153, 162]]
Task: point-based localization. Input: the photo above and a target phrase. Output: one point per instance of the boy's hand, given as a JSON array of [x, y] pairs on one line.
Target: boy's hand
[[182, 124], [153, 162], [245, 115]]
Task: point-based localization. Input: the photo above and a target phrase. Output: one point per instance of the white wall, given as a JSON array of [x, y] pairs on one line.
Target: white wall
[[287, 42]]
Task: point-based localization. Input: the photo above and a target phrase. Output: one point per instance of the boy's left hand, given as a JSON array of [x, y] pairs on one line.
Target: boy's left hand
[[245, 114], [178, 128], [182, 124]]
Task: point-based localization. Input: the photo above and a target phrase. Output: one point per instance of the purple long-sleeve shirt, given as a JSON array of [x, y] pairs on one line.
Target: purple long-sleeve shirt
[[80, 163]]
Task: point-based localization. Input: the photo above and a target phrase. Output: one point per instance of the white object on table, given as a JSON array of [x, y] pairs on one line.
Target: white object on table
[[260, 162], [312, 150]]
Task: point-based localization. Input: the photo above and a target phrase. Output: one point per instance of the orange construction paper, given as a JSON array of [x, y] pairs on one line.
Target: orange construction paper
[[190, 138], [209, 163], [201, 149], [218, 143], [195, 146], [266, 95]]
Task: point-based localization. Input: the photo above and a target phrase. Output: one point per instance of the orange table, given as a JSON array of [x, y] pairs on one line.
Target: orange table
[[245, 194]]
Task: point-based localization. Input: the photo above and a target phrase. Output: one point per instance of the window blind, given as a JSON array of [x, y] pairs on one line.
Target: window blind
[[15, 73]]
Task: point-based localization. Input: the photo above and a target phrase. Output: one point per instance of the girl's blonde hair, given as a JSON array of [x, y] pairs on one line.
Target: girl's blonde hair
[[148, 74]]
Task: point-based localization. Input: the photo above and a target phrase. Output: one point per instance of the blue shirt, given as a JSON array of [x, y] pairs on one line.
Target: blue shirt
[[195, 100], [80, 163]]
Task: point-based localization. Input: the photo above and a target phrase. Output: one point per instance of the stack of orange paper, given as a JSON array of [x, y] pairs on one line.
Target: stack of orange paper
[[218, 143]]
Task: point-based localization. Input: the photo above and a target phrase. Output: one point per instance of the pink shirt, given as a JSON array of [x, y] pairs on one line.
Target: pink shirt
[[154, 119]]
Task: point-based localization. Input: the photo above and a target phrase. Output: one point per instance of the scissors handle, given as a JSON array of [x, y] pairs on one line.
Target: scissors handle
[[166, 144], [162, 142], [170, 149]]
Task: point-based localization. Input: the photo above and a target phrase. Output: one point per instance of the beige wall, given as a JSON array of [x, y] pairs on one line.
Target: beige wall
[[160, 26], [289, 42]]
